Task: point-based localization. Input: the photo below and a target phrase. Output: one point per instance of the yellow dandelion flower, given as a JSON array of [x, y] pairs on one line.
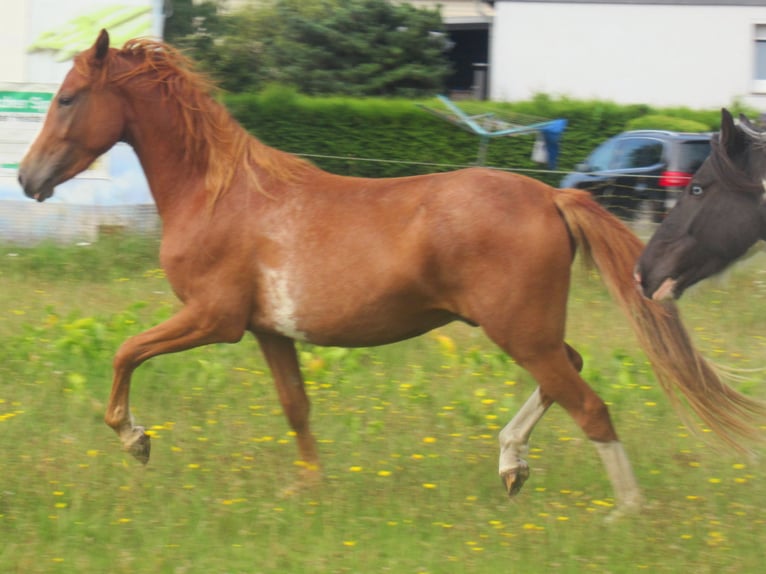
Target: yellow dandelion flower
[[495, 524], [446, 343]]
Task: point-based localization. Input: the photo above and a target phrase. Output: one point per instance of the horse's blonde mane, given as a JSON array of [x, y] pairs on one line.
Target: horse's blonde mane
[[212, 139]]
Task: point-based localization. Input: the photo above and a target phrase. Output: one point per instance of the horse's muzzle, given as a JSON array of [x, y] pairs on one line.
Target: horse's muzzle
[[37, 192]]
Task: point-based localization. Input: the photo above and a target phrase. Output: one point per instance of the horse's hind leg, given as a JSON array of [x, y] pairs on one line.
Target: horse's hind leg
[[514, 438], [560, 382], [283, 361]]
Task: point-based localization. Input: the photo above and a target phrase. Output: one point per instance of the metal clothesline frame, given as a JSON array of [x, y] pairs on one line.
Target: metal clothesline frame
[[487, 125]]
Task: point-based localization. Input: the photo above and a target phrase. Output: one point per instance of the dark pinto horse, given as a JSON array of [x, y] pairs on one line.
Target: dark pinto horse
[[259, 240], [719, 217]]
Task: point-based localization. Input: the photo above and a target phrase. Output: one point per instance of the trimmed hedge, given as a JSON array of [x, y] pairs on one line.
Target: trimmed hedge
[[391, 130], [663, 122]]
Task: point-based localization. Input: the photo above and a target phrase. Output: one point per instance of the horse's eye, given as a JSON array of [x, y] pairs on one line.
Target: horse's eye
[[696, 190], [65, 100]]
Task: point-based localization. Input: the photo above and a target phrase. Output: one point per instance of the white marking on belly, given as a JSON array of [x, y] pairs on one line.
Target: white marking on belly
[[280, 304]]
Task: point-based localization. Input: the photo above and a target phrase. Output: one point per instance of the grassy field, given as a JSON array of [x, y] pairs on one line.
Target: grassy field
[[407, 434]]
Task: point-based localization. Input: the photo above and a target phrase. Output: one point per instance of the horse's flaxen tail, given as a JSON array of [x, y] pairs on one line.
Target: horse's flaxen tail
[[685, 376]]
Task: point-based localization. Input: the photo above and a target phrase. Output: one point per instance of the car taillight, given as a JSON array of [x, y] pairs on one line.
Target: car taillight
[[675, 178]]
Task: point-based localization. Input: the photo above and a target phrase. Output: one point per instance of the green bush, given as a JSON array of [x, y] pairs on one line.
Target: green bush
[[663, 122]]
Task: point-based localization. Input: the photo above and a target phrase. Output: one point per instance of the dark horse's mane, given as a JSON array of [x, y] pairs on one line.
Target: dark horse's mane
[[744, 173], [211, 138]]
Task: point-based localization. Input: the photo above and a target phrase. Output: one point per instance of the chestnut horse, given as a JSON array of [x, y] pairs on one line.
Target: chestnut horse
[[259, 240]]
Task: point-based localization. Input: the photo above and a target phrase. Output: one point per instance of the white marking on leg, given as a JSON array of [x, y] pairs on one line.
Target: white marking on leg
[[515, 435], [626, 492], [281, 302]]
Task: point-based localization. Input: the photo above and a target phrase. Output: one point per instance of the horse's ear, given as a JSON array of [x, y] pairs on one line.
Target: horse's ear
[[750, 130], [727, 124], [101, 47], [733, 140], [745, 121]]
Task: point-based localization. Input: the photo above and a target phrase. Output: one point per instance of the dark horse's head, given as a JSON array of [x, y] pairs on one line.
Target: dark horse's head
[[720, 215]]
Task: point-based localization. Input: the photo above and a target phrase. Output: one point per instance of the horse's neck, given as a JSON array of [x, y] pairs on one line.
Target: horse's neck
[[158, 143]]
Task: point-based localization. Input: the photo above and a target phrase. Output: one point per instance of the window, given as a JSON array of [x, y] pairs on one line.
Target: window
[[638, 152], [601, 157], [692, 155], [759, 59]]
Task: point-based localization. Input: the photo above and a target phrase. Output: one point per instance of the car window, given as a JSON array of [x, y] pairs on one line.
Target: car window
[[692, 155], [600, 158], [638, 152]]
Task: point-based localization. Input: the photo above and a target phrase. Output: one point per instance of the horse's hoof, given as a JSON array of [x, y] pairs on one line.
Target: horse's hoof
[[632, 506], [515, 478], [622, 512], [141, 445], [308, 478]]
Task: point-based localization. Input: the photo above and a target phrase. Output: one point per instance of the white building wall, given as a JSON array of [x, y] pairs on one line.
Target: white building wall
[[695, 56], [12, 36]]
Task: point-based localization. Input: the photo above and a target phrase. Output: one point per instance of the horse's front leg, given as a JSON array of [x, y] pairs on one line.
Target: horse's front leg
[[187, 329], [283, 361]]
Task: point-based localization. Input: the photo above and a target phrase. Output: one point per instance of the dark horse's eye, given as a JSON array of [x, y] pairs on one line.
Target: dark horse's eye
[[65, 100], [696, 190]]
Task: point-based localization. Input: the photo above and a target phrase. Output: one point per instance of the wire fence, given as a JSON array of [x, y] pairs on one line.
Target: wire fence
[[26, 222]]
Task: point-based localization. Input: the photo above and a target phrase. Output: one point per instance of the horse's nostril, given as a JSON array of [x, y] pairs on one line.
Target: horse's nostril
[[20, 177]]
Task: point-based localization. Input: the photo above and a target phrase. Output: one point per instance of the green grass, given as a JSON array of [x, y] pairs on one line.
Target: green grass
[[407, 435]]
